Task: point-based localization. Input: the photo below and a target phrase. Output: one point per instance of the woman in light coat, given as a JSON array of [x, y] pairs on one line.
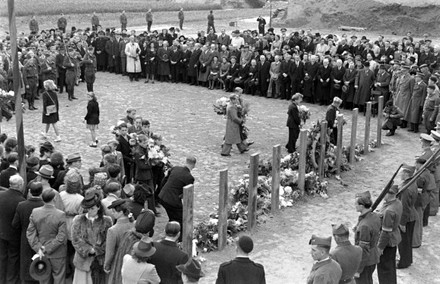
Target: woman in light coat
[[132, 50]]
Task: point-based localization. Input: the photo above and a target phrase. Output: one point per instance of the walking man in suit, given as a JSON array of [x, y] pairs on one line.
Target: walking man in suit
[[241, 269], [47, 235], [293, 122]]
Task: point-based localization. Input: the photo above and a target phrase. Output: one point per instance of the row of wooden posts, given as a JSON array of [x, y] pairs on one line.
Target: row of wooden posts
[[188, 192]]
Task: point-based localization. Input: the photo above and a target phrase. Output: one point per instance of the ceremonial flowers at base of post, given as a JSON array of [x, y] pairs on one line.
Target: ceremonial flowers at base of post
[[7, 103]]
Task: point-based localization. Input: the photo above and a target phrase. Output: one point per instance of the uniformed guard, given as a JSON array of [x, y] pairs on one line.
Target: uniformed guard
[[434, 204], [30, 79], [389, 237], [90, 69], [325, 269], [347, 255], [366, 236]]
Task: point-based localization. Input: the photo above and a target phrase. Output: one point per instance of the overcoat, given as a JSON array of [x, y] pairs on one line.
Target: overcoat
[[405, 85], [364, 80], [413, 113], [132, 50], [233, 122]]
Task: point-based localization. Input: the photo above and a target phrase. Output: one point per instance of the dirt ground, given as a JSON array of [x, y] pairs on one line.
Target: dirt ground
[[184, 116]]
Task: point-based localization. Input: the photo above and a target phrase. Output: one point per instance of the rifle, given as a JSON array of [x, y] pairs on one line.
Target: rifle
[[385, 190]]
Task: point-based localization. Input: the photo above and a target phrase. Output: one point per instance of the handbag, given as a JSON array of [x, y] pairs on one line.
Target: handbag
[[51, 108]]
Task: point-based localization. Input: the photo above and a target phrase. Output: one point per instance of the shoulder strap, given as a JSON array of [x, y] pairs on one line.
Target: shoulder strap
[[47, 94]]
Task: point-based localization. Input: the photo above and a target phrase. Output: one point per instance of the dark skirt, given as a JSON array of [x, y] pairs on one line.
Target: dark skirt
[[151, 68], [51, 118]]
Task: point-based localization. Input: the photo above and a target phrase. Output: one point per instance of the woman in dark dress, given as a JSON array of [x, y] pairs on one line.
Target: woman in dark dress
[[92, 117], [50, 108], [150, 63]]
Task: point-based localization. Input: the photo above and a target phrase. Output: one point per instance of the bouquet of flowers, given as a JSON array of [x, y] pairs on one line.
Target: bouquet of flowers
[[220, 106], [157, 153], [304, 113], [7, 104]]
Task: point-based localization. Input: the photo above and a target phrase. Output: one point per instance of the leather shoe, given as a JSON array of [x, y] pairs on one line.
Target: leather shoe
[[74, 98], [250, 143], [245, 150], [226, 155]]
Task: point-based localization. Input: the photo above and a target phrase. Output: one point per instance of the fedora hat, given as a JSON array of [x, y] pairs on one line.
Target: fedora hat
[[191, 268], [40, 269], [144, 248], [46, 171], [73, 158], [91, 199]]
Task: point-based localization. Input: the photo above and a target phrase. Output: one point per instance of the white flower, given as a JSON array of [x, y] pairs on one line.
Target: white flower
[[215, 237], [288, 190], [213, 221]]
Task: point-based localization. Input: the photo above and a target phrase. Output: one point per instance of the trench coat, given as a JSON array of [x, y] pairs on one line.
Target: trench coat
[[349, 76], [205, 59], [405, 85], [233, 122], [364, 80], [132, 50], [413, 113]]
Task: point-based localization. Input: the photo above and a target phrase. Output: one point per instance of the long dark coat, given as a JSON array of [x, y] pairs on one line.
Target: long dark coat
[[310, 80], [193, 62], [21, 222], [50, 98], [364, 80], [413, 113], [336, 74], [233, 122], [205, 59], [323, 89], [349, 76], [163, 58], [405, 85]]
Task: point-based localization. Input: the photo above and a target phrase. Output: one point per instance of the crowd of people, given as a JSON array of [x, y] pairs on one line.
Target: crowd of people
[[101, 231]]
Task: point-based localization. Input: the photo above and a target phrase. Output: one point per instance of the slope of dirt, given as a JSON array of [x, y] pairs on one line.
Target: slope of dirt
[[373, 15]]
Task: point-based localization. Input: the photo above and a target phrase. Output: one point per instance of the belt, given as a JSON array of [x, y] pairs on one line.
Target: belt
[[349, 280]]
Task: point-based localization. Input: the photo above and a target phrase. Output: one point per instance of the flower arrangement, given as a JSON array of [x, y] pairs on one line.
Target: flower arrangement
[[7, 103], [220, 105], [304, 113]]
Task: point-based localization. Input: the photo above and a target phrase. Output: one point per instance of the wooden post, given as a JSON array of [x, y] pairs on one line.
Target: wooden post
[[252, 200], [223, 210], [354, 122], [367, 128], [276, 160], [188, 218], [379, 121], [302, 160], [16, 80], [340, 119], [323, 141]]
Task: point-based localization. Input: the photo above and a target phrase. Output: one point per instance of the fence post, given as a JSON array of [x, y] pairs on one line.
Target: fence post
[[223, 210], [252, 200], [302, 160], [367, 128], [379, 121], [340, 119], [188, 218], [276, 159], [323, 141], [354, 122]]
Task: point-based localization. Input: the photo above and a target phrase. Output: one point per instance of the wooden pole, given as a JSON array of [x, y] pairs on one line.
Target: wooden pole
[[302, 160], [276, 160], [223, 210], [340, 119], [323, 141], [354, 122], [188, 218], [379, 121], [16, 79], [252, 200], [367, 128]]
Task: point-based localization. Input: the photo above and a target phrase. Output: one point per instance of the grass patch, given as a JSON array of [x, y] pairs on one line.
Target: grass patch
[[48, 7]]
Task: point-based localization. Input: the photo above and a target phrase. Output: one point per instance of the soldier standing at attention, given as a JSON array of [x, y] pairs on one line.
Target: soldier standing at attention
[[123, 19], [325, 269], [347, 255], [181, 17], [210, 22], [62, 23], [149, 19]]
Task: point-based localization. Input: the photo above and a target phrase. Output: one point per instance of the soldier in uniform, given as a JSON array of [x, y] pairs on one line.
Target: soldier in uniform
[[123, 20], [347, 255], [30, 79], [408, 219], [404, 88], [59, 60], [366, 236], [33, 26], [95, 22], [149, 19], [48, 68], [89, 62], [430, 108], [325, 269], [62, 23], [389, 237], [413, 112], [181, 17], [434, 204], [70, 62]]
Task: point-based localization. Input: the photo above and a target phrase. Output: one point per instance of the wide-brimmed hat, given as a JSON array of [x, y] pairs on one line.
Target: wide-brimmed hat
[[91, 199], [47, 146], [46, 171], [192, 268], [144, 248], [73, 158], [40, 269]]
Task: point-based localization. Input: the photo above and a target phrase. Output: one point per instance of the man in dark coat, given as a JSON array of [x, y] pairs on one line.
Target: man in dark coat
[[234, 70], [241, 269], [336, 76], [193, 64], [261, 24], [347, 255], [89, 62], [284, 78], [9, 236], [382, 83], [413, 114], [366, 236], [323, 85], [171, 193], [264, 76], [175, 56], [95, 22], [111, 50], [125, 148], [168, 255], [101, 56], [296, 73], [181, 17], [310, 73], [210, 22], [293, 122], [233, 123], [59, 60], [21, 223], [331, 116], [348, 88], [10, 171], [223, 38], [364, 81], [123, 20]]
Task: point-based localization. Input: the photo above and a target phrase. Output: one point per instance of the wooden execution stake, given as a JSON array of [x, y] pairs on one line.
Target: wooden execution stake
[[354, 122], [323, 141], [188, 218], [379, 121], [367, 128], [16, 80], [302, 160], [252, 200], [276, 160], [223, 210], [340, 119]]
